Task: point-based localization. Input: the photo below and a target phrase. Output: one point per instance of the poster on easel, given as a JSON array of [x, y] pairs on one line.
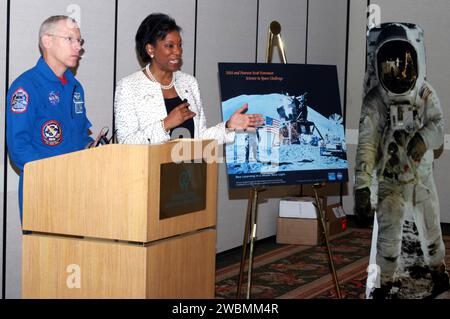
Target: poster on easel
[[302, 140]]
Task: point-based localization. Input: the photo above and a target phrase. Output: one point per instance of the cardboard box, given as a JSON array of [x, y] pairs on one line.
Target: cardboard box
[[308, 231], [336, 219], [299, 207], [299, 231]]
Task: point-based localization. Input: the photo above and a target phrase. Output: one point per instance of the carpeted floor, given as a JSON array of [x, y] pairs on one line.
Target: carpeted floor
[[303, 272]]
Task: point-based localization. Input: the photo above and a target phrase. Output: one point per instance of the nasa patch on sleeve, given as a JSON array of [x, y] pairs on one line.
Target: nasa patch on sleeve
[[78, 101], [19, 101], [51, 133]]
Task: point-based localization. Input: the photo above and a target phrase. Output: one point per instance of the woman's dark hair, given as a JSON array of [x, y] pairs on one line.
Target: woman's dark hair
[[155, 27]]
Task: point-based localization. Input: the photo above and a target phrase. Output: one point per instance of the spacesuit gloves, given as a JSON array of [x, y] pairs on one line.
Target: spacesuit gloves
[[416, 147], [363, 207]]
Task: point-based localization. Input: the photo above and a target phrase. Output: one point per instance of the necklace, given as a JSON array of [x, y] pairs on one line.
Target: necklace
[[153, 79]]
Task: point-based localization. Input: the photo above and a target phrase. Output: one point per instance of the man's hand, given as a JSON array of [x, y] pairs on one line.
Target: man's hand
[[363, 207], [416, 147]]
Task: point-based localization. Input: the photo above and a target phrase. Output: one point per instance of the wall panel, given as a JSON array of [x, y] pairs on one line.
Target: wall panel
[[326, 44], [355, 78], [291, 14], [130, 16], [3, 22], [226, 32], [356, 62], [327, 25]]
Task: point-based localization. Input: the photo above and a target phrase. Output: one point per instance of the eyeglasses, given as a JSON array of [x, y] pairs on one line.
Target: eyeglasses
[[71, 40]]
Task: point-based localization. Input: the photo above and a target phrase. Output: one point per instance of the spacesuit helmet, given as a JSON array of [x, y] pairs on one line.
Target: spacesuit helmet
[[397, 66], [302, 98], [387, 42]]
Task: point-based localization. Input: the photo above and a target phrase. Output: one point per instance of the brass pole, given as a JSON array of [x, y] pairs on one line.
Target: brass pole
[[327, 243], [281, 49], [269, 48], [252, 241], [249, 231], [244, 244]]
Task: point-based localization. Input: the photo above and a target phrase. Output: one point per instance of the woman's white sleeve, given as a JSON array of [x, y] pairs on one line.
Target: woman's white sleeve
[[129, 129]]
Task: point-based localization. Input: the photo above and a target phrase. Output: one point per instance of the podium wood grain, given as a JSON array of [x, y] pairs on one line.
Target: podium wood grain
[[112, 192], [98, 210], [179, 267]]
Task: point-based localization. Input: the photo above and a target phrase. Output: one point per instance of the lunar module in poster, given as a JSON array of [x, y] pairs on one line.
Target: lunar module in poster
[[302, 140]]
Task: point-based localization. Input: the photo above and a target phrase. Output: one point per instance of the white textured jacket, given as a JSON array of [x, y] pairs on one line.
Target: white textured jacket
[[139, 108]]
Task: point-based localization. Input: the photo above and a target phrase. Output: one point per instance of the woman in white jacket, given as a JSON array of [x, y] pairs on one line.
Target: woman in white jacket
[[159, 100]]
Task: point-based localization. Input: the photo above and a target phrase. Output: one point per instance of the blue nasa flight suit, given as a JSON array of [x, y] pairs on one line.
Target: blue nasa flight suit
[[44, 117]]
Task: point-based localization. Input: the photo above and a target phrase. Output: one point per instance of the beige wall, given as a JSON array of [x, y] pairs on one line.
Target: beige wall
[[130, 16], [355, 77], [227, 31], [3, 23]]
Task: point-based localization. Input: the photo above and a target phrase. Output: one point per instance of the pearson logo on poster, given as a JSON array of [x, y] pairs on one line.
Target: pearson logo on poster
[[302, 140]]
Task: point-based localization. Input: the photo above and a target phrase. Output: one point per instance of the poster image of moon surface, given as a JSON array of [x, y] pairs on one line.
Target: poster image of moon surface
[[302, 140]]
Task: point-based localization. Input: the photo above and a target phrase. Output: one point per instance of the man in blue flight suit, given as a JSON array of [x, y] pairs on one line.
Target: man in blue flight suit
[[45, 113]]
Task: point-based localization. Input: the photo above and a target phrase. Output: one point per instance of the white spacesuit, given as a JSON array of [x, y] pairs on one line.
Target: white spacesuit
[[252, 146], [401, 124]]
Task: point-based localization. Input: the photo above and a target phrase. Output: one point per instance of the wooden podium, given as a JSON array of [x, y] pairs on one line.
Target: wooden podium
[[122, 221]]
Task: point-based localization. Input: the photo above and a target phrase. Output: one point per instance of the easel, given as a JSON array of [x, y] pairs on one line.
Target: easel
[[251, 218], [274, 33], [325, 235], [250, 229], [252, 206]]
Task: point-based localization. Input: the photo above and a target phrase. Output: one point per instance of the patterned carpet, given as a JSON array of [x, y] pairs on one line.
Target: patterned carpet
[[303, 272], [293, 272]]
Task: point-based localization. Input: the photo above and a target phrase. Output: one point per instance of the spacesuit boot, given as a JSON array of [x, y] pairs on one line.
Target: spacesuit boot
[[441, 281], [385, 291]]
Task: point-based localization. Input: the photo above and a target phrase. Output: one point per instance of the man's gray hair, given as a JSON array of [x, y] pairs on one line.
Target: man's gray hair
[[49, 25]]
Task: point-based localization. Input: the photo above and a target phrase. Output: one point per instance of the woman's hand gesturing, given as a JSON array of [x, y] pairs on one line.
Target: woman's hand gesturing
[[178, 116], [241, 121]]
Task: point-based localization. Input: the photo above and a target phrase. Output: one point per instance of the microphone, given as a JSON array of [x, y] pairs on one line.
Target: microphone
[[102, 137]]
